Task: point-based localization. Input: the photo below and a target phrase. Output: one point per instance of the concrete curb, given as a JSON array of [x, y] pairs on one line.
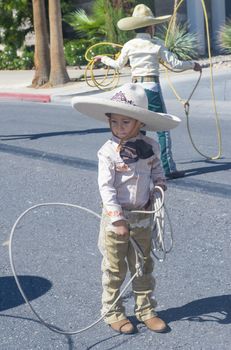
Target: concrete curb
[[25, 97]]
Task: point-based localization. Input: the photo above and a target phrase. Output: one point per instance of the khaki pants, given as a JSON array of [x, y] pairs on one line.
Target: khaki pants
[[118, 254]]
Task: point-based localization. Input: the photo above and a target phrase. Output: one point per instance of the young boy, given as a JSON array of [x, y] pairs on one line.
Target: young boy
[[144, 54], [129, 166]]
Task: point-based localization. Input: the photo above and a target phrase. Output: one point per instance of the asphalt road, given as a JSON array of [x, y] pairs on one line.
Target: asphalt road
[[48, 154]]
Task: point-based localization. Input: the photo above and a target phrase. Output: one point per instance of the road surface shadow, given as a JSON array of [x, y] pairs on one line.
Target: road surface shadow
[[211, 309], [214, 167], [32, 286], [52, 134]]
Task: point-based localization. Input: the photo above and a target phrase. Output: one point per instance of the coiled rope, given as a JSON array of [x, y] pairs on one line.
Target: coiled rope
[[159, 230], [107, 82], [158, 205]]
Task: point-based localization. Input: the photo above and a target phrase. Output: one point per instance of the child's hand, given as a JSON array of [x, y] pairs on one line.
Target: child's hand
[[163, 186], [97, 58], [153, 192], [121, 228], [197, 67]]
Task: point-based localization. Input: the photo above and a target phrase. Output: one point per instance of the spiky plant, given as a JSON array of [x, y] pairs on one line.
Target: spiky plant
[[183, 44], [224, 37], [88, 26], [101, 24]]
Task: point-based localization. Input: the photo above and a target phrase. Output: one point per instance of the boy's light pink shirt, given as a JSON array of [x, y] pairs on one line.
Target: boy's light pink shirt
[[127, 186]]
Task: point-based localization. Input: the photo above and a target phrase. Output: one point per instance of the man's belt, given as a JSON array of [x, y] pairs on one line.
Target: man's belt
[[147, 78]]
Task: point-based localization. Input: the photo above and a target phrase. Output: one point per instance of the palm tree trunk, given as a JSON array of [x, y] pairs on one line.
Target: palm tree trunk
[[58, 73], [41, 57]]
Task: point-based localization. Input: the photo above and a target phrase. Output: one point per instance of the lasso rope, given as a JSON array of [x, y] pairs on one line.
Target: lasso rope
[[159, 239], [186, 102], [138, 253], [107, 82]]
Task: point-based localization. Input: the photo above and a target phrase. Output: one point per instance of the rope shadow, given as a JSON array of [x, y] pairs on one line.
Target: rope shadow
[[200, 311], [33, 287], [121, 341], [52, 134], [69, 340]]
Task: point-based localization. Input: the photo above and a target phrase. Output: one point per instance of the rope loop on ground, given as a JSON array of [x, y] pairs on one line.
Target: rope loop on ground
[[139, 265]]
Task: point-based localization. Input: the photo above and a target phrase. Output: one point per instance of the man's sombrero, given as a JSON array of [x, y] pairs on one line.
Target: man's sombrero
[[142, 17], [128, 100]]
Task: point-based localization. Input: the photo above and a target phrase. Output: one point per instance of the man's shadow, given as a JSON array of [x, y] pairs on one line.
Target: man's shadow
[[211, 168], [211, 309], [52, 134], [32, 286]]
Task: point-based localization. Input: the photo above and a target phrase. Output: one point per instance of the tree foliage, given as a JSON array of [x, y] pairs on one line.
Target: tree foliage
[[15, 22], [101, 23]]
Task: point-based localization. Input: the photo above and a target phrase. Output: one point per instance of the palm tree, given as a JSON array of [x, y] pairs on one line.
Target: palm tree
[[41, 57], [58, 72], [49, 60], [101, 24]]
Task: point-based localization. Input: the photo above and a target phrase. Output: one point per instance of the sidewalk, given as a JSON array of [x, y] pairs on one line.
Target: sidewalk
[[15, 85]]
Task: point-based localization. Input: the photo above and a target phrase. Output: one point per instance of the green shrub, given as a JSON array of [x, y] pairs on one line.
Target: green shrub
[[224, 37], [75, 50], [27, 58], [10, 60]]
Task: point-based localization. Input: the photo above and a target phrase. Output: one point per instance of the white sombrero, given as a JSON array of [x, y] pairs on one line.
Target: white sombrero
[[142, 17], [129, 100]]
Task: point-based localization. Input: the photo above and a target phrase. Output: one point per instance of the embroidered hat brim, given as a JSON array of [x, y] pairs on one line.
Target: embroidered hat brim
[[97, 108], [131, 23]]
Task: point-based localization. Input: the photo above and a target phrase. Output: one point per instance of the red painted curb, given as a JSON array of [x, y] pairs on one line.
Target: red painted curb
[[25, 97]]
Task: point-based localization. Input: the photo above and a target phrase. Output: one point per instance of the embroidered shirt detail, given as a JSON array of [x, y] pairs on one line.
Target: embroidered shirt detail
[[114, 213], [122, 167], [151, 163]]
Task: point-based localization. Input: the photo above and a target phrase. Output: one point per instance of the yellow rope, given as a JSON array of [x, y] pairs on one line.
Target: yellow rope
[[108, 81], [186, 103]]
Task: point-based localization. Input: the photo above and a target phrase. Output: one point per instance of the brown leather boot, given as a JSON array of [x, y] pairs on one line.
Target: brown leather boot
[[155, 324], [123, 326]]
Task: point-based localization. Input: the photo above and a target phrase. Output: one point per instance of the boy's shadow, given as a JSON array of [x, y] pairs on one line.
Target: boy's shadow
[[201, 310], [33, 287], [212, 309]]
